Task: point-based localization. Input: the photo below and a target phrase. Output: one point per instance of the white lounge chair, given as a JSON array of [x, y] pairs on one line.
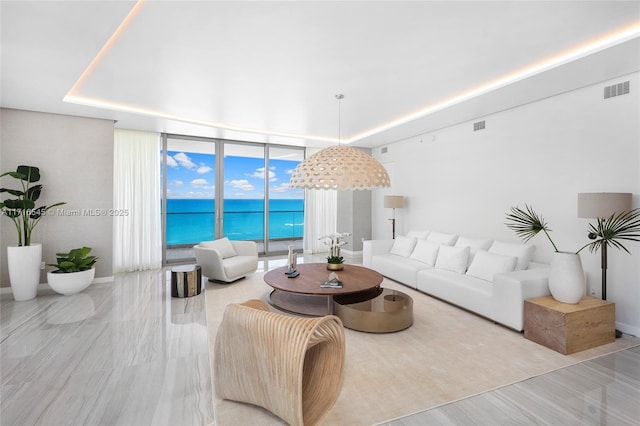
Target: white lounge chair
[[224, 260]]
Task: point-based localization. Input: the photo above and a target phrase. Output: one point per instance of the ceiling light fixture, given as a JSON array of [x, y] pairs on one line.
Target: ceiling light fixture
[[339, 167]]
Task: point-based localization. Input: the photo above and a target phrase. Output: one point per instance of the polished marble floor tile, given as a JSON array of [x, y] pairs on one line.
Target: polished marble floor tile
[[601, 391], [123, 353], [127, 353]]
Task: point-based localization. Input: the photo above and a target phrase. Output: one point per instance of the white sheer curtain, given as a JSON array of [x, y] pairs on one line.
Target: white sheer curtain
[[320, 216], [137, 238]]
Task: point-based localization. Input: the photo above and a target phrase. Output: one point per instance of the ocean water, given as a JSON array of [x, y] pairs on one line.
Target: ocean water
[[191, 221]]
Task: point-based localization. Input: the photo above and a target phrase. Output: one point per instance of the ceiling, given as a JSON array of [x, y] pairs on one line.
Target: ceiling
[[269, 71]]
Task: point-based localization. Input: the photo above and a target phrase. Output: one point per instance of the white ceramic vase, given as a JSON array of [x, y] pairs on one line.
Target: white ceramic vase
[[71, 282], [24, 263], [566, 277]]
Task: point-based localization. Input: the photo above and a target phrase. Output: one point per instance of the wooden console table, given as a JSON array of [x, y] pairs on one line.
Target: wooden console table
[[568, 328]]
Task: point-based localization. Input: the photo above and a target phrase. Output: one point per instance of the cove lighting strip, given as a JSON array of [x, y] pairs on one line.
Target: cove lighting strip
[[608, 40]]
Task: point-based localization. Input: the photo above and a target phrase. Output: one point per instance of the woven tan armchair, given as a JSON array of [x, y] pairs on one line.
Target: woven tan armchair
[[291, 366]]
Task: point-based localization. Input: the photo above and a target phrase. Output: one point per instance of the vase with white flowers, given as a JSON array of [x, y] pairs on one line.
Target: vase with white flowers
[[335, 242]]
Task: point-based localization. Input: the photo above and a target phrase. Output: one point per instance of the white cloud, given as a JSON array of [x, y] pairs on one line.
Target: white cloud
[[184, 160], [290, 171], [171, 162], [242, 184], [283, 187], [203, 168], [259, 174], [176, 182], [201, 184]]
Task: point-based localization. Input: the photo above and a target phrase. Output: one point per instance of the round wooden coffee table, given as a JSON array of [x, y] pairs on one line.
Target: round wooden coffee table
[[303, 294]]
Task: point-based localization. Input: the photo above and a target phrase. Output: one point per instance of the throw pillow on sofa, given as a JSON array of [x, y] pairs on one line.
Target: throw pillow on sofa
[[485, 265], [425, 252], [441, 238], [474, 245], [403, 246], [421, 235], [453, 258], [524, 252]]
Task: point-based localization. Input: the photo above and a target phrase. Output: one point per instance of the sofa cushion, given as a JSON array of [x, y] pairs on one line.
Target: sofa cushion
[[462, 290], [485, 265], [425, 252], [453, 258], [400, 269], [403, 246], [474, 245], [223, 245], [421, 235], [441, 238], [524, 252]]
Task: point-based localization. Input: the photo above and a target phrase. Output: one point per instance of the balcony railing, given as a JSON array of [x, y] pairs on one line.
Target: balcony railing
[[188, 228]]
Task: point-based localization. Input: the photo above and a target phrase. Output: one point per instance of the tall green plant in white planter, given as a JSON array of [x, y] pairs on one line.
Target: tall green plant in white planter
[[24, 260]]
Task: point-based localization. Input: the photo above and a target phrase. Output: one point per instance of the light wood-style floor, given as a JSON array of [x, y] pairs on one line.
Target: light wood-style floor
[[127, 353]]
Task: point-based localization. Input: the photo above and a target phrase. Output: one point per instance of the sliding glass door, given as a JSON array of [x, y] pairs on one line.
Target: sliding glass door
[[286, 205], [243, 197], [190, 193]]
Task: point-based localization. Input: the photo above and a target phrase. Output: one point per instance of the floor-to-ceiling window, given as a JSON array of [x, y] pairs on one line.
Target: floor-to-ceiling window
[[286, 205], [243, 192], [240, 190], [189, 195]]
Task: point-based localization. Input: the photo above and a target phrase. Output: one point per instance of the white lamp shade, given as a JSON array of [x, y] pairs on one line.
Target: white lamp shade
[[603, 204], [393, 201]]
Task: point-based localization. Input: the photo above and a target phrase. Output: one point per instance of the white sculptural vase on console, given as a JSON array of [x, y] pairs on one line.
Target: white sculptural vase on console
[[566, 277]]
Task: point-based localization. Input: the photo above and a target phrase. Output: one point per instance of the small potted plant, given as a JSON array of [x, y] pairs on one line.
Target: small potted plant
[[335, 242], [74, 271]]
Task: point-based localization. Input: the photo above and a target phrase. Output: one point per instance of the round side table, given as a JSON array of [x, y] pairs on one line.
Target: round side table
[[390, 311], [186, 281]]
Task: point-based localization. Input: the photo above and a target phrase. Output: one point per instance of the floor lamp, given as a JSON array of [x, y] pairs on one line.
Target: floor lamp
[[602, 205], [393, 202]]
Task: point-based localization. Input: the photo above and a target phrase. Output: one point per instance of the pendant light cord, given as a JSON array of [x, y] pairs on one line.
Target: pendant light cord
[[339, 98]]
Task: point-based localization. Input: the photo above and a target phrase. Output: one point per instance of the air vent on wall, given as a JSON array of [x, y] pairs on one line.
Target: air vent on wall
[[616, 90], [383, 150], [478, 125]]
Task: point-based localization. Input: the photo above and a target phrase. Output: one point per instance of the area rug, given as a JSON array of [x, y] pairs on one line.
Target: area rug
[[447, 354]]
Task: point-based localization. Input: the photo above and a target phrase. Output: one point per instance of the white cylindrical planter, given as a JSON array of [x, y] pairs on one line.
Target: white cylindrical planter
[[566, 277], [70, 282], [24, 264]]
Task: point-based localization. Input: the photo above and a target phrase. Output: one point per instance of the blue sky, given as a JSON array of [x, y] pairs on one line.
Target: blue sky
[[192, 175]]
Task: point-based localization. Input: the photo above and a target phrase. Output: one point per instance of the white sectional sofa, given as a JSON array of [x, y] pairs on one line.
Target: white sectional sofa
[[490, 278]]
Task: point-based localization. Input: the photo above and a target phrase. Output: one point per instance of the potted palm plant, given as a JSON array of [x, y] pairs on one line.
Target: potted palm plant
[[74, 271], [566, 278], [24, 260]]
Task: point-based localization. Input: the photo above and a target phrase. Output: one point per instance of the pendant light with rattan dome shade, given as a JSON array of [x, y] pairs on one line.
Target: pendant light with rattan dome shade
[[339, 167]]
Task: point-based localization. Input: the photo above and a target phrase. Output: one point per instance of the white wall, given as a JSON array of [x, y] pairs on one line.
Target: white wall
[[542, 154], [75, 157]]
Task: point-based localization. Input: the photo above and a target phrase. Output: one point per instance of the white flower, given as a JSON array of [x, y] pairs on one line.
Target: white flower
[[335, 241]]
